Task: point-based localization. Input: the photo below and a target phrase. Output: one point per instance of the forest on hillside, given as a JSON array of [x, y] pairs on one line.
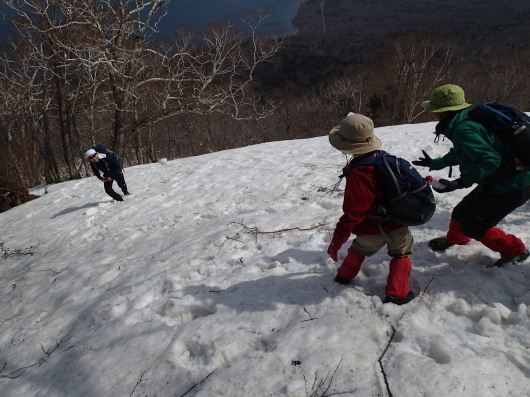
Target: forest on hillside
[[76, 74]]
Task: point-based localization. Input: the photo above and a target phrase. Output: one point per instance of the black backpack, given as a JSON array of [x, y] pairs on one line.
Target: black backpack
[[408, 198], [107, 151], [510, 124]]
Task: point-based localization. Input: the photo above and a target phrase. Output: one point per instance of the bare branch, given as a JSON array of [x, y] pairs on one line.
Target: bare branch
[[142, 379], [255, 231], [197, 384]]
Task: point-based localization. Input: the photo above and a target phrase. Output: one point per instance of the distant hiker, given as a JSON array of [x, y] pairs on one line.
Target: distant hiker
[[485, 159], [363, 192], [109, 164]]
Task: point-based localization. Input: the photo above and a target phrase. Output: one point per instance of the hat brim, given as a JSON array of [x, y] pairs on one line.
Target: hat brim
[[348, 147], [433, 108]]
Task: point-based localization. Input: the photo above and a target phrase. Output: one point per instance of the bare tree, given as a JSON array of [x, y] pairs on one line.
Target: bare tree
[[406, 78], [420, 66], [342, 95], [99, 75], [25, 131], [493, 78]]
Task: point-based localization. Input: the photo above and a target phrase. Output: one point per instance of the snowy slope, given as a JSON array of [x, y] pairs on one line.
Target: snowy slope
[[212, 279]]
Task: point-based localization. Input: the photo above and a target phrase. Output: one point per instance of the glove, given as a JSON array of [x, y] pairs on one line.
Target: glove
[[423, 161], [444, 186], [333, 251]]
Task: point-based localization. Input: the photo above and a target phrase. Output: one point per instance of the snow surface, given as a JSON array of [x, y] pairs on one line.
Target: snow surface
[[212, 279]]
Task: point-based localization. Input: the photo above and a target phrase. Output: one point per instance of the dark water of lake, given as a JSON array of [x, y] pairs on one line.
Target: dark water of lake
[[197, 14]]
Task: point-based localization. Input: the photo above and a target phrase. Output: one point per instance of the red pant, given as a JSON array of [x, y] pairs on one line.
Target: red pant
[[397, 283], [495, 239]]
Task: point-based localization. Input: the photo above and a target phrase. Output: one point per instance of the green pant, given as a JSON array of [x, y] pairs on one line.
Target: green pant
[[399, 246]]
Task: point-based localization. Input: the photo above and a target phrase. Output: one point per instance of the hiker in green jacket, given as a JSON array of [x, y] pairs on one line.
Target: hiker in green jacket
[[483, 159]]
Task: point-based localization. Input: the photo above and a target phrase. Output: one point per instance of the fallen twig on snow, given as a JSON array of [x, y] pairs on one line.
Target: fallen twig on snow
[[428, 284], [380, 360], [197, 384], [320, 389], [325, 190], [7, 252], [311, 318], [42, 360], [255, 231], [139, 381]]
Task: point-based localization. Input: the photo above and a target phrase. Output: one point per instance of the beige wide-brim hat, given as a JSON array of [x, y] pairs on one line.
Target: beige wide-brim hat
[[355, 135]]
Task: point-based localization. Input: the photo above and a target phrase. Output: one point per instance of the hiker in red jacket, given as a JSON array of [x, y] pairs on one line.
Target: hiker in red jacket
[[355, 136]]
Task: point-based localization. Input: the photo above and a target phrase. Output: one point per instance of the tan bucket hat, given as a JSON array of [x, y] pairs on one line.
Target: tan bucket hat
[[355, 135]]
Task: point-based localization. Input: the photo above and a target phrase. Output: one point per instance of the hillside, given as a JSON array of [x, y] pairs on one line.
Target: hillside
[[365, 22], [333, 34], [212, 279]]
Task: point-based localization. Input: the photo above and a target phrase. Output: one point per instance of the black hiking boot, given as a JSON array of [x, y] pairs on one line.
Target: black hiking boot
[[342, 280], [513, 259], [399, 301], [439, 244]]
